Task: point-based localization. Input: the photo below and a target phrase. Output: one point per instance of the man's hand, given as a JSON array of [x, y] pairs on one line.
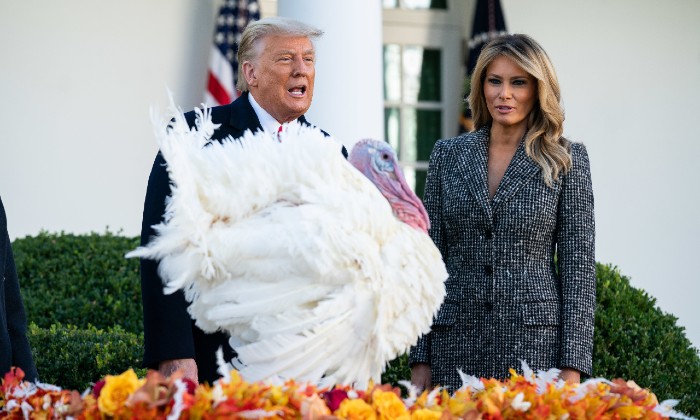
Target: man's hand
[[421, 376], [187, 366], [571, 376]]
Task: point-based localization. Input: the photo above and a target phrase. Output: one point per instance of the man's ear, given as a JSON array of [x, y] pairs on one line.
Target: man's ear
[[249, 73]]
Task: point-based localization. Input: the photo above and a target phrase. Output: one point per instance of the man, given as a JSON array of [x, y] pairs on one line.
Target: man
[[14, 347], [276, 75]]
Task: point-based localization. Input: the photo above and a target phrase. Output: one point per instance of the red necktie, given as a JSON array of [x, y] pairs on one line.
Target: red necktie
[[279, 134]]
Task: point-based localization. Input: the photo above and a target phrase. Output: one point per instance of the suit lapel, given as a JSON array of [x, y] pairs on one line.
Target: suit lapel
[[243, 115], [471, 163], [519, 171]]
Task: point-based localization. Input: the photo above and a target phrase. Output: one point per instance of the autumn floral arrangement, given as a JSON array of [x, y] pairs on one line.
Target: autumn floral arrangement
[[526, 396]]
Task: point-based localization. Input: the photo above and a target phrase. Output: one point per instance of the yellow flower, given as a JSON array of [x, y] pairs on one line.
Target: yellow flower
[[277, 396], [389, 406], [460, 403], [203, 397], [116, 391], [426, 414], [629, 412], [355, 410]]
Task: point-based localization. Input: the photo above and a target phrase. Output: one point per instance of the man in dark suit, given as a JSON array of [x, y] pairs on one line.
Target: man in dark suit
[[276, 75], [14, 347]]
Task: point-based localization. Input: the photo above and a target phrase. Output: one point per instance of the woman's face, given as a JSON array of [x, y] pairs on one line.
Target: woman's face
[[510, 93]]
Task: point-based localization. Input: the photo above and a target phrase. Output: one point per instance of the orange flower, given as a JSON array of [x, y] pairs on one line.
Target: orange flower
[[13, 378], [461, 404], [313, 408], [125, 396], [202, 401]]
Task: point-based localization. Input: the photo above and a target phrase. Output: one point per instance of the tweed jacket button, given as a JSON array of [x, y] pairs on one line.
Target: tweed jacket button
[[488, 269], [488, 234], [488, 306]]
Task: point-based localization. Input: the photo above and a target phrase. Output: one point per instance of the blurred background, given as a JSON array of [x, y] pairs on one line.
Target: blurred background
[[78, 79]]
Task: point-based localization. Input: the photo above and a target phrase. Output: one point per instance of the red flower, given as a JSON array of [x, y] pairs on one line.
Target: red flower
[[98, 388], [14, 377], [334, 397], [191, 385]]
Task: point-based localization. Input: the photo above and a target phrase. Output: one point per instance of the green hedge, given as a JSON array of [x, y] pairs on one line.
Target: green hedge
[[74, 358], [85, 280], [635, 340], [80, 280]]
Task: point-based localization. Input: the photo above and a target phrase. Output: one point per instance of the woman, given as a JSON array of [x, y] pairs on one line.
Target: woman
[[503, 200]]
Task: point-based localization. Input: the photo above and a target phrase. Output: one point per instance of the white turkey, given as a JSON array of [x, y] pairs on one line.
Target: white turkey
[[318, 271]]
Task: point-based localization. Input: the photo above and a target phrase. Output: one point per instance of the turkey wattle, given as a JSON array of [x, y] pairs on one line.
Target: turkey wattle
[[315, 272]]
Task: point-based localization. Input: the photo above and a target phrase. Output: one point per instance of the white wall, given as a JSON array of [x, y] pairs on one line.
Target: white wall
[[78, 77], [348, 96], [76, 83], [630, 77]]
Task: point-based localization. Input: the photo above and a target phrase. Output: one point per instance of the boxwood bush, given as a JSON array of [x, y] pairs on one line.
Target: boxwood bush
[[83, 300], [84, 280], [74, 358], [80, 280], [633, 340]]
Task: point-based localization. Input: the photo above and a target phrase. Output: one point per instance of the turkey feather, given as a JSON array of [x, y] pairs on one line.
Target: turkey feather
[[319, 268]]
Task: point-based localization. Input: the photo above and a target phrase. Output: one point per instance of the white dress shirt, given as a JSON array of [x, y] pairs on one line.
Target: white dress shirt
[[267, 121]]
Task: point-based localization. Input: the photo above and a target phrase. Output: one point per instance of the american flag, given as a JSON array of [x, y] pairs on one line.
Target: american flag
[[488, 24], [233, 17]]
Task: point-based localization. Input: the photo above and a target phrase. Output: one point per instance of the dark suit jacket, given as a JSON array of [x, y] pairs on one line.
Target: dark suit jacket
[[505, 299], [169, 332], [14, 347]]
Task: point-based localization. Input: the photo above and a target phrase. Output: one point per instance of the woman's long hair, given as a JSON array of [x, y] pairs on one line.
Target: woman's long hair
[[543, 142]]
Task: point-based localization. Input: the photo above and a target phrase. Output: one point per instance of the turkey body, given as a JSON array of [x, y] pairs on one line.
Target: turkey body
[[294, 253]]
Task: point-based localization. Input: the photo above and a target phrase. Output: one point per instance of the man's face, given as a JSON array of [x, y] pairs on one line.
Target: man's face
[[281, 78]]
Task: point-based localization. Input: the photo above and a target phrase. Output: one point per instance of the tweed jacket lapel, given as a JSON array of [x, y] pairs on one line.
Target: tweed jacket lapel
[[520, 169], [471, 163]]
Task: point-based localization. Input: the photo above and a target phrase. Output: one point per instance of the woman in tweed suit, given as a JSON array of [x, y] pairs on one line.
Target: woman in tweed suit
[[502, 201]]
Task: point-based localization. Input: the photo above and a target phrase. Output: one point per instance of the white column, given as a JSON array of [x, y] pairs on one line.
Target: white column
[[348, 98]]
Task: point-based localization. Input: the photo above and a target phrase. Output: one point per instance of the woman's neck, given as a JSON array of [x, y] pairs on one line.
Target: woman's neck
[[506, 136]]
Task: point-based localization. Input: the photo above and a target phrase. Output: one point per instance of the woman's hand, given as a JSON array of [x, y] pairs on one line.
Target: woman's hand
[[421, 376], [571, 376]]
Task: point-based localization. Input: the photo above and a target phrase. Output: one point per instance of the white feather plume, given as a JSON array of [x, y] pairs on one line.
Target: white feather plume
[[294, 253]]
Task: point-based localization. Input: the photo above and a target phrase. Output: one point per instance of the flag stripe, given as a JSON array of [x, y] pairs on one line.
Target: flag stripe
[[217, 91], [233, 17], [222, 69]]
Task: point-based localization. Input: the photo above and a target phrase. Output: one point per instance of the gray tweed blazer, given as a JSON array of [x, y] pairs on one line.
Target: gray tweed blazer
[[506, 299]]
